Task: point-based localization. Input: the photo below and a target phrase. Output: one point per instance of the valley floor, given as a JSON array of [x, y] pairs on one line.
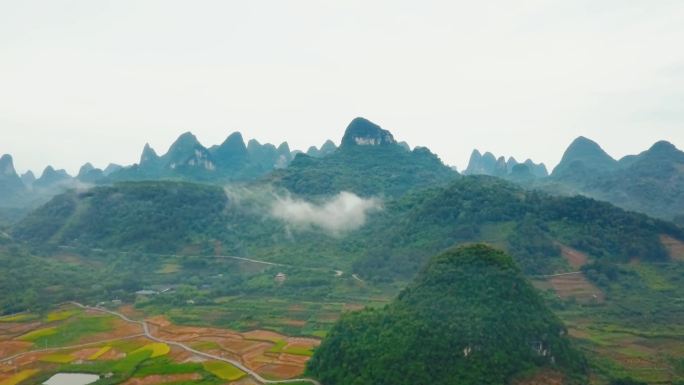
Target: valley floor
[[113, 345]]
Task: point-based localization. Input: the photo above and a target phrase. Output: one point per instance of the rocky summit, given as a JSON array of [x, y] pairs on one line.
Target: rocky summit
[[363, 132]]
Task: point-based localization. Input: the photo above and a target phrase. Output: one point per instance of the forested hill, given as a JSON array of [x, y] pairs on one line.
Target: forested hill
[[468, 318], [530, 225], [171, 217], [152, 216], [369, 162], [651, 182]]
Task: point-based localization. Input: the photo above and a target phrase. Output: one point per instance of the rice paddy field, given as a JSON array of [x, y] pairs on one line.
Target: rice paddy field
[[74, 340], [629, 326]]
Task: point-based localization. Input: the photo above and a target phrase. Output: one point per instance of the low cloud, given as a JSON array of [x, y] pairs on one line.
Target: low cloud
[[339, 214]]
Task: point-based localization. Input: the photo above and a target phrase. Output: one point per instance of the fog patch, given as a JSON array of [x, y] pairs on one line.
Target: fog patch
[[337, 215]]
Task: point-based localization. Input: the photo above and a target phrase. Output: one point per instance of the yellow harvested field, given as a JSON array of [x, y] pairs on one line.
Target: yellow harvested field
[[58, 358], [157, 349], [36, 334], [19, 377], [169, 268], [21, 317], [100, 352], [60, 315], [223, 370]]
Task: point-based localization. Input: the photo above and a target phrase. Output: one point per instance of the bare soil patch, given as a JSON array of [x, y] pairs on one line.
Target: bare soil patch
[[293, 322], [575, 258], [9, 348], [130, 312], [577, 286], [674, 247], [293, 359], [16, 329], [574, 286], [353, 307], [112, 354], [83, 354], [163, 379], [329, 317], [263, 335], [543, 377], [243, 346], [280, 371], [159, 321]]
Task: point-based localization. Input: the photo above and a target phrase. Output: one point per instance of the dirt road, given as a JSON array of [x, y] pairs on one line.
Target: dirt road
[[237, 364]]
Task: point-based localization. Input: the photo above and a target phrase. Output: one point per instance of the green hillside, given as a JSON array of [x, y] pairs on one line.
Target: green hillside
[[170, 217], [155, 216], [468, 318], [378, 166], [651, 182], [529, 225]]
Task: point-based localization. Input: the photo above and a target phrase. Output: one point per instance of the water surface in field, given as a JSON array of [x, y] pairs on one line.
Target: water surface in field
[[72, 379]]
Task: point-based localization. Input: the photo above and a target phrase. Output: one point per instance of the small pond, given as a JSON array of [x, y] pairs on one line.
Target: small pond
[[72, 379]]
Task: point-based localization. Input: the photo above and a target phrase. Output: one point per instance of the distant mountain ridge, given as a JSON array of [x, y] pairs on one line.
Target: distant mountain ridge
[[187, 159], [368, 162], [327, 148], [488, 164], [651, 182], [584, 153], [231, 161], [11, 185]]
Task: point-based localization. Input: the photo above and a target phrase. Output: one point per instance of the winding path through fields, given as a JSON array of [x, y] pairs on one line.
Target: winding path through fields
[[237, 364]]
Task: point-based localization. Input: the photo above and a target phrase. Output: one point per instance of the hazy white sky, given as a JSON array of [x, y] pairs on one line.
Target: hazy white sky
[[94, 80]]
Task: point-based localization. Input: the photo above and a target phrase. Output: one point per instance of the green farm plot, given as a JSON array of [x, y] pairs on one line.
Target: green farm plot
[[224, 370], [129, 364], [205, 345], [72, 330], [637, 332], [281, 347], [243, 313], [653, 278], [169, 268], [163, 365], [125, 346], [20, 317]]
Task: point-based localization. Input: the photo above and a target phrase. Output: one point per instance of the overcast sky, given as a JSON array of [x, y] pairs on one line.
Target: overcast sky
[[94, 80]]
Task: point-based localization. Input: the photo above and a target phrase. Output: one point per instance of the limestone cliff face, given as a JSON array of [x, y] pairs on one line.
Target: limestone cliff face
[[362, 132], [10, 183]]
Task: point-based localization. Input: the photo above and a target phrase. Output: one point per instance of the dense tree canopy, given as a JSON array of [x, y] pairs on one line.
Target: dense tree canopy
[[468, 318]]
